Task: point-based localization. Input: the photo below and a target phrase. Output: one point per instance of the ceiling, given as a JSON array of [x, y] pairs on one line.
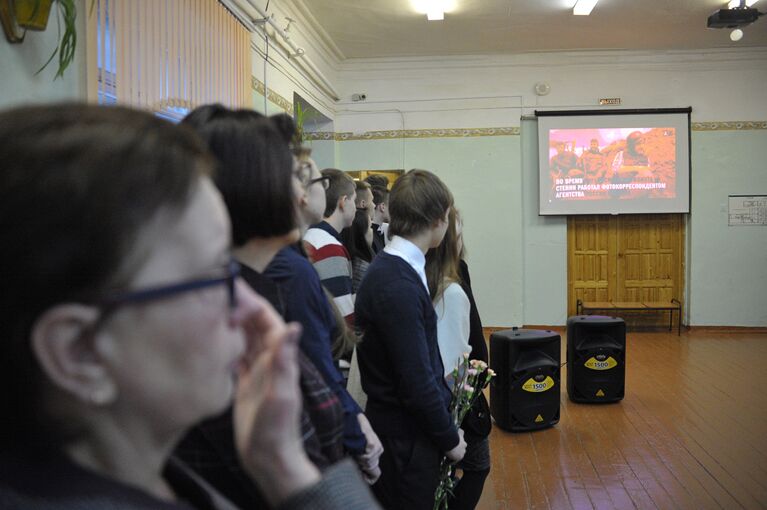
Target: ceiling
[[392, 28]]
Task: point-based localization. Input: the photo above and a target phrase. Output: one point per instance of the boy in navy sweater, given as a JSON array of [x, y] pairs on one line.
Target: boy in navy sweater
[[400, 365], [306, 303]]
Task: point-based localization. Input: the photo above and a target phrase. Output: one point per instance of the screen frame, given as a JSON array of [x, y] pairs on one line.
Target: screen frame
[[621, 112]]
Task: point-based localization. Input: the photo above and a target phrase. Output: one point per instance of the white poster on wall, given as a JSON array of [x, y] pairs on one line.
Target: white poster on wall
[[747, 210]]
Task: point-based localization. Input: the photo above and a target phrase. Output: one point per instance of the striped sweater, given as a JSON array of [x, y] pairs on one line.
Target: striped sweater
[[333, 264]]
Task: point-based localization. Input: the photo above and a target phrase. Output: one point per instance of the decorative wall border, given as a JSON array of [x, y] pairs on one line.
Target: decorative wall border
[[278, 100], [729, 126], [416, 133], [272, 96], [499, 131]]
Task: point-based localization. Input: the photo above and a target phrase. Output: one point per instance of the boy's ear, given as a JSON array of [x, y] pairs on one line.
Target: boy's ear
[[340, 204]]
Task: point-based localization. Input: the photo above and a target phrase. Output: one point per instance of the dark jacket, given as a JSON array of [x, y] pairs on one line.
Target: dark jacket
[[55, 483], [399, 358], [305, 303], [379, 240]]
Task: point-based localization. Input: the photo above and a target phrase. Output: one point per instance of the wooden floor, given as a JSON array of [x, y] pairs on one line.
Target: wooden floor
[[690, 433]]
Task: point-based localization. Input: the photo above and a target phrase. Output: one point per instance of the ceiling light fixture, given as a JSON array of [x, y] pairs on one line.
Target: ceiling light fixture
[[435, 15], [734, 4], [584, 7], [434, 9], [736, 35]]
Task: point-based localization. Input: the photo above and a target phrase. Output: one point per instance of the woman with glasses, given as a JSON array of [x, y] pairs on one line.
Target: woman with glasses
[[123, 323]]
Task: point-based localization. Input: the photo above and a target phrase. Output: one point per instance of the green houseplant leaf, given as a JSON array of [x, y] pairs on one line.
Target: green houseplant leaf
[[68, 41]]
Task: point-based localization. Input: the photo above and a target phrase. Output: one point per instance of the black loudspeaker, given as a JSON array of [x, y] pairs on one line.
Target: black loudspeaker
[[524, 394], [596, 358]]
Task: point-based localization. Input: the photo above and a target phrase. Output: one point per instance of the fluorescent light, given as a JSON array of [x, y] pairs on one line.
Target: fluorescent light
[[434, 9], [734, 4], [584, 7]]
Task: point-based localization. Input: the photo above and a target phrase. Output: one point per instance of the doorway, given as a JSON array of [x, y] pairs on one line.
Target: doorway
[[637, 257]]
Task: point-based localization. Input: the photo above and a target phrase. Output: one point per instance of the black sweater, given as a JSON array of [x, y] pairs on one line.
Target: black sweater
[[400, 364]]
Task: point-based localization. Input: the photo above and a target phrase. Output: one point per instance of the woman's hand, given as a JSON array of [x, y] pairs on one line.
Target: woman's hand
[[267, 403]]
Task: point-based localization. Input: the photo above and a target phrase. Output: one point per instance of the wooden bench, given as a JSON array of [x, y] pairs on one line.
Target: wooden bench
[[584, 307]]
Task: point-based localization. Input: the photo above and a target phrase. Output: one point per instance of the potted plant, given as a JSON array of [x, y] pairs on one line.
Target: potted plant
[[18, 16], [301, 115]]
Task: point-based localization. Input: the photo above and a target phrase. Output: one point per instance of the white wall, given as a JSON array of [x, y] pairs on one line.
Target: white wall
[[284, 74], [728, 272], [20, 62], [494, 91]]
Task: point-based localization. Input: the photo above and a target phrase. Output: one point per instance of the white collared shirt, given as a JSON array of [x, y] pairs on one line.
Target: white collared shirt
[[410, 253]]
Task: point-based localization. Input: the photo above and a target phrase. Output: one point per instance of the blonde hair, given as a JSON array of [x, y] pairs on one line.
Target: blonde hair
[[442, 262]]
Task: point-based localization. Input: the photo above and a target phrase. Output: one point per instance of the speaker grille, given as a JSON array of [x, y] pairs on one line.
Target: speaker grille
[[525, 394], [596, 359]]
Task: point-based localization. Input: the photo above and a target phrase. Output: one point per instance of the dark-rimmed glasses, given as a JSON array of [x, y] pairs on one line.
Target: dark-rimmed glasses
[[324, 179], [227, 275]]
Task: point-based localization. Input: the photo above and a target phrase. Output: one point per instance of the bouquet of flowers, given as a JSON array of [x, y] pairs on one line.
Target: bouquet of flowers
[[469, 379]]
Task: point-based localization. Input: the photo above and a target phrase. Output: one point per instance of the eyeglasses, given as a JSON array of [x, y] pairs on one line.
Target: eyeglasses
[[227, 275], [324, 179]]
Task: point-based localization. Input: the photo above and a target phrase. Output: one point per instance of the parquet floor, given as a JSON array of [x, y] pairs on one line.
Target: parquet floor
[[691, 433]]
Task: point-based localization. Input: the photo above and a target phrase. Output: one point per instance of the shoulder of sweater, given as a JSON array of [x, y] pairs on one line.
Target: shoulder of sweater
[[392, 268], [454, 291], [318, 238], [289, 264]]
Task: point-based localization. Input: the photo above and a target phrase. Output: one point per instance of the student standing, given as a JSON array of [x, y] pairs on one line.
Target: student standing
[[400, 364], [455, 321], [323, 241], [305, 303]]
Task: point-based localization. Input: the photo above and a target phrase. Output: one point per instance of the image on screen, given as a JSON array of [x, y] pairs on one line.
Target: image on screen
[[595, 165], [626, 163]]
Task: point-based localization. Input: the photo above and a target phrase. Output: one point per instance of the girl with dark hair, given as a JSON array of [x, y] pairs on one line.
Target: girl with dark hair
[[358, 240], [257, 180], [123, 322]]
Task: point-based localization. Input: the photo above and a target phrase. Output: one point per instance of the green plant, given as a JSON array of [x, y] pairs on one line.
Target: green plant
[[67, 42], [301, 116], [19, 16]]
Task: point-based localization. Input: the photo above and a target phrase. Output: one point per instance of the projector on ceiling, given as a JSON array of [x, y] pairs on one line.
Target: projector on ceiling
[[733, 18]]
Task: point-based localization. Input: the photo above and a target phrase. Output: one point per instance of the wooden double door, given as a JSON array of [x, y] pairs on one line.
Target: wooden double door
[[635, 258]]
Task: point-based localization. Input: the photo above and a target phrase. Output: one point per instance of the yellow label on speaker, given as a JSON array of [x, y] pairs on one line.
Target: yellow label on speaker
[[538, 419], [600, 393], [595, 364], [538, 387]]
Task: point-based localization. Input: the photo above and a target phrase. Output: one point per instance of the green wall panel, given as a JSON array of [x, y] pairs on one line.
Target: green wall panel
[[728, 265], [485, 177]]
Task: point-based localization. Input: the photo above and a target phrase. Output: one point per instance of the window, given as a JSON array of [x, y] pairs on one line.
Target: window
[[170, 56]]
